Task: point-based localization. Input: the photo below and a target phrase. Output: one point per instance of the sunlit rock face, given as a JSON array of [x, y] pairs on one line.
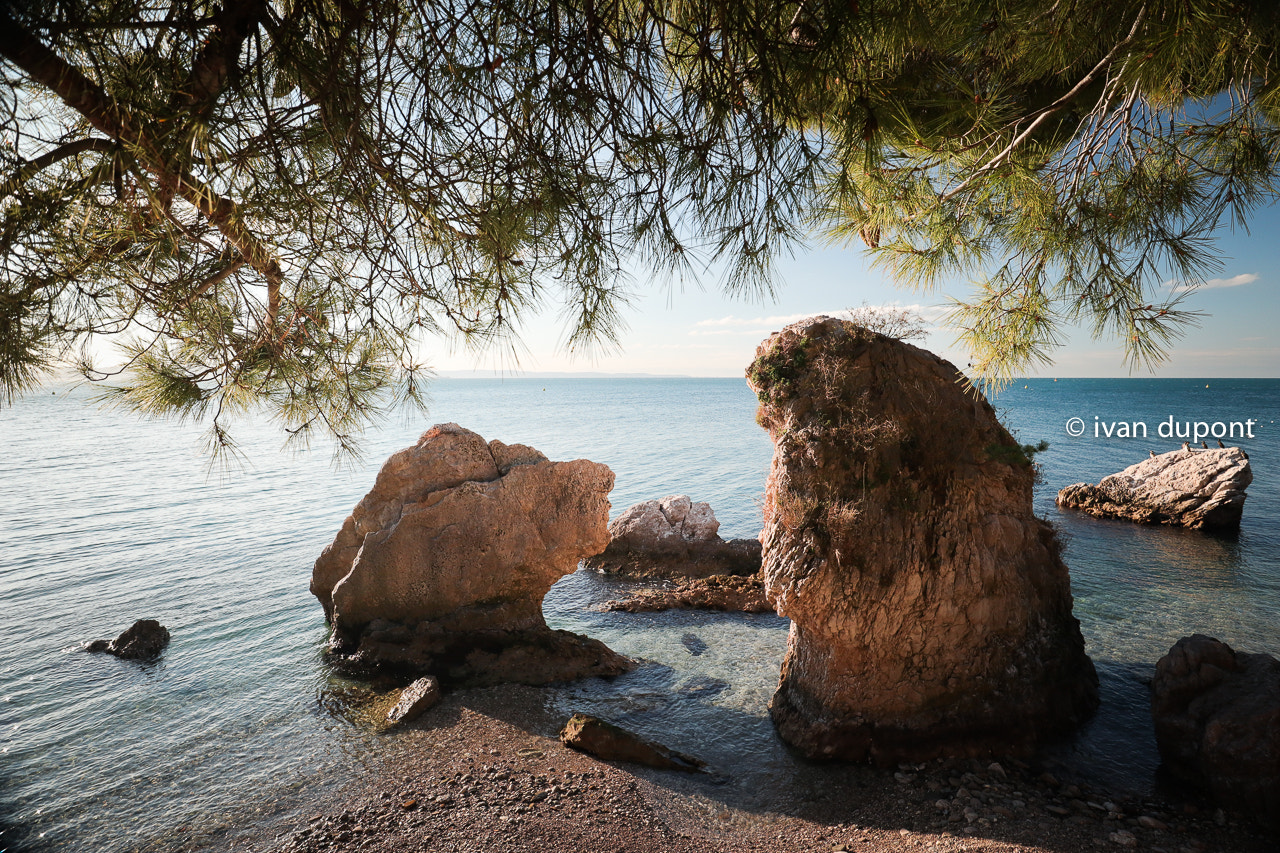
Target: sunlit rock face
[[931, 611], [673, 538], [443, 566], [1194, 488]]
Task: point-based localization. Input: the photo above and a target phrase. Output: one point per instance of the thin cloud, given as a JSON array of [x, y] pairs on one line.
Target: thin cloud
[[1214, 283]]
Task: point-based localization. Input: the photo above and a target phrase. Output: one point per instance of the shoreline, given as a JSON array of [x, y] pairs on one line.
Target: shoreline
[[484, 770]]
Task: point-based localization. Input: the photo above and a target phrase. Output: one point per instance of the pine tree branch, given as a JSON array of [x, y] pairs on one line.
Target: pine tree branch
[[89, 99], [70, 149], [217, 61], [1042, 115]]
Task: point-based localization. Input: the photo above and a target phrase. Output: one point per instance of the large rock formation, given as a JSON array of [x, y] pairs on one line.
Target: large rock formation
[[1188, 488], [1217, 719], [931, 612], [674, 537], [443, 566]]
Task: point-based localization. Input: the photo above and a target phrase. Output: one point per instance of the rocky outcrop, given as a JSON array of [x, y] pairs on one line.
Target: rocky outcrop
[[729, 593], [611, 743], [414, 700], [1186, 488], [443, 566], [674, 537], [1217, 720], [142, 640], [931, 611]]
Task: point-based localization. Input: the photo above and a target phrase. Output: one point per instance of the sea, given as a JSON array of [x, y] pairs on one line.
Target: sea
[[106, 518]]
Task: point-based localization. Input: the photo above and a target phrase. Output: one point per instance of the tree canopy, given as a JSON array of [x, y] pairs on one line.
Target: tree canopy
[[274, 202]]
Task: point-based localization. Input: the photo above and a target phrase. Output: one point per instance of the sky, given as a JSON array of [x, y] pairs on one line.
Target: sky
[[691, 329]]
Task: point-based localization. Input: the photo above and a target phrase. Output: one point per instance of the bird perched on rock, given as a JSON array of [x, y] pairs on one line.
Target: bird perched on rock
[[1186, 445], [1204, 444], [1220, 444], [1153, 453]]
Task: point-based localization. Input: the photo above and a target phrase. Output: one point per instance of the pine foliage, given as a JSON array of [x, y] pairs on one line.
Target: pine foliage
[[278, 203]]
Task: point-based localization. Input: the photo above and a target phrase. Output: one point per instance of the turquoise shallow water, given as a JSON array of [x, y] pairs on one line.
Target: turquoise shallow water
[[105, 519]]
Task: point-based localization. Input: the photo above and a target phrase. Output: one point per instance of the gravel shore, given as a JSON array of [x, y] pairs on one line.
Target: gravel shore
[[483, 771]]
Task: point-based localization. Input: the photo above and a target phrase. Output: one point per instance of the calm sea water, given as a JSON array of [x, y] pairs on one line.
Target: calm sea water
[[105, 519]]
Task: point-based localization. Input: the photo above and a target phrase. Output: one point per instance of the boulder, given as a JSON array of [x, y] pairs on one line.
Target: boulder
[[443, 566], [1187, 488], [673, 537], [611, 743], [1217, 719], [414, 700], [931, 610], [142, 640], [730, 593]]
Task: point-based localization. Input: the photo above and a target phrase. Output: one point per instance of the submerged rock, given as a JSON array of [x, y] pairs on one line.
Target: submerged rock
[[931, 611], [731, 593], [443, 566], [612, 743], [415, 700], [1186, 488], [673, 537], [1217, 718], [142, 640]]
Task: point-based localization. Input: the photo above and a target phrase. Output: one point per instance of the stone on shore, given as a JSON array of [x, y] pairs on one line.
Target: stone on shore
[[1185, 488], [606, 741], [931, 611], [443, 566], [673, 537], [415, 700], [729, 593], [143, 640], [1217, 720]]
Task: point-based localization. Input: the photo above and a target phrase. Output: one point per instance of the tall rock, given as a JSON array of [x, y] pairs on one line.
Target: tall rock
[[931, 611], [443, 566], [1184, 488]]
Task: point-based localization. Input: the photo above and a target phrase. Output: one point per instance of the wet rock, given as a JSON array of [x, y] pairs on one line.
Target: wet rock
[[1185, 488], [931, 611], [1217, 721], [142, 640], [609, 742], [443, 566], [414, 700], [730, 593], [673, 537]]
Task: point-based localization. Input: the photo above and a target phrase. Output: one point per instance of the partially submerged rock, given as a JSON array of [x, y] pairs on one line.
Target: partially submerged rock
[[730, 593], [414, 700], [931, 611], [606, 741], [1217, 718], [443, 566], [142, 640], [674, 537], [1185, 488]]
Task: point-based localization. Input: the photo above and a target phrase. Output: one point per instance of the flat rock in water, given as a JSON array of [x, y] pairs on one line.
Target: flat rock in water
[[1185, 488], [142, 640], [731, 593], [693, 643], [594, 736], [414, 700]]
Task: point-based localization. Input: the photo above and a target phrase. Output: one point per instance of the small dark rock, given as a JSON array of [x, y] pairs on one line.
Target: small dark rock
[[612, 743], [693, 643], [142, 640]]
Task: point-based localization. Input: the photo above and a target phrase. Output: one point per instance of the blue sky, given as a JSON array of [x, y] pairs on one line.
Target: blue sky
[[694, 330]]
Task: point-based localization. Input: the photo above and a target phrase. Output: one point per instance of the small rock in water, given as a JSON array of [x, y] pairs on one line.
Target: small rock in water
[[142, 640], [694, 644], [414, 699]]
